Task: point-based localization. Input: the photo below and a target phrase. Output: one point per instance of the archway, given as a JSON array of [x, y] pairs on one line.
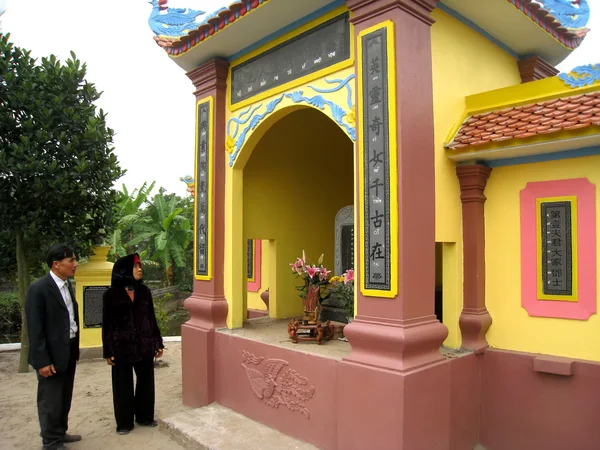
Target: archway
[[292, 184]]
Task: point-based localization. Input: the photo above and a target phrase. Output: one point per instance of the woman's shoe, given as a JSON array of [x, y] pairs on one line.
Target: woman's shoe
[[152, 424], [123, 431]]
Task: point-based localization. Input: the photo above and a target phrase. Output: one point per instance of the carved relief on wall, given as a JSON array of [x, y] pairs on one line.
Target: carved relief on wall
[[275, 383]]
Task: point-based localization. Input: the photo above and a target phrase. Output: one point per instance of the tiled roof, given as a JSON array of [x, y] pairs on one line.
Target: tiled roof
[[570, 38], [213, 24], [568, 113]]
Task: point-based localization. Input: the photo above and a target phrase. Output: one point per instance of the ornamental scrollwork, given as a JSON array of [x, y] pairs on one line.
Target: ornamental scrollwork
[[248, 119], [582, 76]]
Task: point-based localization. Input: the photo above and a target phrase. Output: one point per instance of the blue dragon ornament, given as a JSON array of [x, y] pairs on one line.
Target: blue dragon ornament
[[172, 22], [572, 14]]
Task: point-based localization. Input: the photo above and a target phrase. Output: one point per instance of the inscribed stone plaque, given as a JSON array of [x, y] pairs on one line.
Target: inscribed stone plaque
[[376, 163], [250, 259], [92, 306], [316, 49], [202, 200], [344, 240], [557, 257]]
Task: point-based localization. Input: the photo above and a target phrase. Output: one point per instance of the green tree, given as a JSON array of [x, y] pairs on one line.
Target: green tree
[[130, 216], [165, 231], [57, 165]]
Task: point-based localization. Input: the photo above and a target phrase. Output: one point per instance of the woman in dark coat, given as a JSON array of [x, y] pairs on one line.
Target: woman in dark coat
[[131, 339]]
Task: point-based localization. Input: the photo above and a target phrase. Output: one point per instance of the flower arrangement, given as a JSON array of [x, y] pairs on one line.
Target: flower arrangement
[[343, 288], [316, 278]]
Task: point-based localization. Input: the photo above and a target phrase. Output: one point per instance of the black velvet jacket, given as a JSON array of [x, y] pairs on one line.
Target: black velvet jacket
[[129, 329]]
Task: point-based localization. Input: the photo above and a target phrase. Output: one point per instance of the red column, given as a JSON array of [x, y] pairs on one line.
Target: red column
[[403, 333], [207, 305], [475, 319], [394, 386]]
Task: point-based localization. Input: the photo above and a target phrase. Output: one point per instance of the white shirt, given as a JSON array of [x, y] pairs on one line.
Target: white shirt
[[63, 287]]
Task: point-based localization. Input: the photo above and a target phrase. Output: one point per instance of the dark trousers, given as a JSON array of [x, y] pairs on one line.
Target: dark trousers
[[54, 402], [127, 403]]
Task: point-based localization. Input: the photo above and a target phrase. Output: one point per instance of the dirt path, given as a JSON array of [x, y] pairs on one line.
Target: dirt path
[[92, 411]]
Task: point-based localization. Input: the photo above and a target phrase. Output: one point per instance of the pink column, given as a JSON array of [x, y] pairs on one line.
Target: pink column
[[403, 333], [394, 385], [207, 305], [475, 319]]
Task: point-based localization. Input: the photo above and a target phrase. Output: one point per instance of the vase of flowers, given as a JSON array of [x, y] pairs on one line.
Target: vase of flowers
[[313, 290], [343, 288]]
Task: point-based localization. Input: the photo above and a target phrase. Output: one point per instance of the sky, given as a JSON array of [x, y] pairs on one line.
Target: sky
[[148, 98]]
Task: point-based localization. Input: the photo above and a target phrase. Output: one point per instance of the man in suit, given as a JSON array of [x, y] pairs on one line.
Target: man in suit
[[53, 326]]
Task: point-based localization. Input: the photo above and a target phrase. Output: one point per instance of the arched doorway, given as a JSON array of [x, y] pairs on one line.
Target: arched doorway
[[299, 174]]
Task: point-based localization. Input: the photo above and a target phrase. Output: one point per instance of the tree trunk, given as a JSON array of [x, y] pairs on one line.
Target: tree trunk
[[23, 276]]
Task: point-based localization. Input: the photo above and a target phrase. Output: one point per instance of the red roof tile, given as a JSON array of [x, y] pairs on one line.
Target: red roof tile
[[552, 116]]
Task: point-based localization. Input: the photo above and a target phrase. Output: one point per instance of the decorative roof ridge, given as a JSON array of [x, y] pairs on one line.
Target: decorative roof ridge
[[546, 14], [212, 24]]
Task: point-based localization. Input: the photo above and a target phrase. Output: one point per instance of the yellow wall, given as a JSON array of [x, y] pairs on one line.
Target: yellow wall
[[97, 272], [512, 328], [298, 177], [254, 300], [464, 63]]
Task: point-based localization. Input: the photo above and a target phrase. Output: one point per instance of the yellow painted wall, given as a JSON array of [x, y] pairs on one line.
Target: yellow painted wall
[[297, 178], [512, 328], [254, 300], [464, 63], [97, 272]]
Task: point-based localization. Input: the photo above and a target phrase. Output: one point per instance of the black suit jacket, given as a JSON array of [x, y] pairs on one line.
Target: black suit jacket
[[48, 325]]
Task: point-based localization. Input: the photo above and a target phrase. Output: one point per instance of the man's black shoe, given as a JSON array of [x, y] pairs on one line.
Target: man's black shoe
[[71, 438]]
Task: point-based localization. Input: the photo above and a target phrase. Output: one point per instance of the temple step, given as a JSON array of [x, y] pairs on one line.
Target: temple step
[[215, 427]]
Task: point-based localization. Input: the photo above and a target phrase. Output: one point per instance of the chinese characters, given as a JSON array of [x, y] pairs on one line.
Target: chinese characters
[[202, 185], [375, 131], [556, 248]]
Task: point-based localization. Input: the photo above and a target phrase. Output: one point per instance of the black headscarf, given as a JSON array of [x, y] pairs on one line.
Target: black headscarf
[[122, 273]]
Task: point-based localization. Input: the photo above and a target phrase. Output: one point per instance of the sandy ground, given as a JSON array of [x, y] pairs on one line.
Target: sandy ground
[[92, 411]]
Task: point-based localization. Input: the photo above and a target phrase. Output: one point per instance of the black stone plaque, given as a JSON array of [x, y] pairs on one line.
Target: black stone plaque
[[316, 49], [250, 259], [376, 148], [347, 247], [557, 256], [202, 183], [92, 306]]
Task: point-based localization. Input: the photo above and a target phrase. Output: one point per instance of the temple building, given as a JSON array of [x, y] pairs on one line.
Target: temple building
[[432, 149]]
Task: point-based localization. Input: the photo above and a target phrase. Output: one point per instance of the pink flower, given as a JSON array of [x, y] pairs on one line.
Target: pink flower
[[323, 272], [349, 276], [312, 271]]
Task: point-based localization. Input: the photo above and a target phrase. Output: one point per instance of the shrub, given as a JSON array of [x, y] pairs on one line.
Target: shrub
[[10, 313], [162, 313]]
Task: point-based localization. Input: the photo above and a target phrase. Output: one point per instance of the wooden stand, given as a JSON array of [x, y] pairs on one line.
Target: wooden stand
[[316, 332]]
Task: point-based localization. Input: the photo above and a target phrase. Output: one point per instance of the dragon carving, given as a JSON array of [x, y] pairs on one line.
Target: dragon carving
[[573, 14], [275, 383]]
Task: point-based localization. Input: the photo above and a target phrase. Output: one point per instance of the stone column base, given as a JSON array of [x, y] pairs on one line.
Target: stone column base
[[474, 325], [390, 410], [197, 366]]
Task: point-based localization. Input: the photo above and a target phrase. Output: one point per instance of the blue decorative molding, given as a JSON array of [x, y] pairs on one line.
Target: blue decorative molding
[[249, 119], [570, 13], [566, 154], [581, 76]]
